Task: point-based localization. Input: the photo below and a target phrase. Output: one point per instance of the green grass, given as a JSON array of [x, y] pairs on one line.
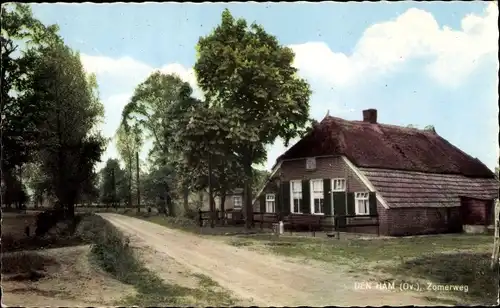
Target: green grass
[[111, 251], [456, 259]]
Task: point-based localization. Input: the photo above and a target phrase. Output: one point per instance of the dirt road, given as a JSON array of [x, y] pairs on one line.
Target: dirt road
[[264, 279]]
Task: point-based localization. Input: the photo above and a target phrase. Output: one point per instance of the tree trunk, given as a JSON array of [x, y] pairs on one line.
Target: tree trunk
[[223, 205], [185, 197], [130, 181], [247, 194], [171, 207], [210, 192], [137, 182]]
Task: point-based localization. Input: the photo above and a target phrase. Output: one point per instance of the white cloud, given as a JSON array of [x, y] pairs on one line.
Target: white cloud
[[128, 73], [385, 46]]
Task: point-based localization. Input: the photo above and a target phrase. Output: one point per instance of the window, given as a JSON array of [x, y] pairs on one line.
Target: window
[[362, 206], [317, 197], [217, 203], [310, 163], [270, 203], [338, 184], [296, 196], [237, 202]]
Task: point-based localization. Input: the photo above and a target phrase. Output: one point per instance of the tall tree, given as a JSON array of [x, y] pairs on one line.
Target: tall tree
[[69, 147], [247, 72], [113, 186], [205, 140], [23, 38], [157, 106], [128, 143]]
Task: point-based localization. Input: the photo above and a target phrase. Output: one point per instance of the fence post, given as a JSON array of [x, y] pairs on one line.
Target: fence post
[[262, 220], [200, 217]]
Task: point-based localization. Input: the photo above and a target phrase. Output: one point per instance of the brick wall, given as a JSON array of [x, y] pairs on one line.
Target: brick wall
[[411, 221], [476, 211], [326, 168]]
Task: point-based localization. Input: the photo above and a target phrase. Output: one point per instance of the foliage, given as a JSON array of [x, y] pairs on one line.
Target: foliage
[[14, 192], [128, 143], [259, 179], [68, 148], [157, 110], [113, 186], [22, 40], [205, 140], [246, 73]]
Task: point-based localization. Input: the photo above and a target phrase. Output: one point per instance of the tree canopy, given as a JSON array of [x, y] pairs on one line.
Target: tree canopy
[[246, 72]]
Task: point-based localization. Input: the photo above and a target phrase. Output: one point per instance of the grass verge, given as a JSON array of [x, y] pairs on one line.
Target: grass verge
[[451, 259], [113, 253]]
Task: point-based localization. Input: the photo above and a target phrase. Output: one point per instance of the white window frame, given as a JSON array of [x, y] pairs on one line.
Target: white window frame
[[362, 197], [338, 180], [235, 206], [299, 193], [270, 203], [320, 194]]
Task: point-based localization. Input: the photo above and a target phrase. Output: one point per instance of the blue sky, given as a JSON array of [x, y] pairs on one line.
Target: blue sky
[[416, 62]]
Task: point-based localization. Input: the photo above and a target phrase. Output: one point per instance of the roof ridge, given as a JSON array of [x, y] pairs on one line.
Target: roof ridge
[[380, 124]]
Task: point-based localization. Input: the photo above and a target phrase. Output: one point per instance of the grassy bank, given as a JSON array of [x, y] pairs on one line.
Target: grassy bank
[[440, 259], [113, 253]]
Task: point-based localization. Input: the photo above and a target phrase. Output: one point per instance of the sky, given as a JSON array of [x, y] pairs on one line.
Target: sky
[[421, 63]]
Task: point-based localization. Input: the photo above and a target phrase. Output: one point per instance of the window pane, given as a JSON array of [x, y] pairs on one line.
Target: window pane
[[296, 205], [318, 185], [318, 205], [297, 186], [270, 207]]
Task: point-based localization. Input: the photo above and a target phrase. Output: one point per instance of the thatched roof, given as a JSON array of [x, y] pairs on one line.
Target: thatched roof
[[416, 189], [382, 146]]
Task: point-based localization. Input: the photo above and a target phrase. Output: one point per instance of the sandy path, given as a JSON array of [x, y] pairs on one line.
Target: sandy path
[[265, 279]]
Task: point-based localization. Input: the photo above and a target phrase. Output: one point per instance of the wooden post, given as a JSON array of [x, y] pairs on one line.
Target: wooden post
[[494, 257], [200, 218], [261, 220], [496, 243]]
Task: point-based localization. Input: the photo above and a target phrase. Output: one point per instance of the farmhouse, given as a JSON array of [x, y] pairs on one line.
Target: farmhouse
[[379, 178], [233, 201]]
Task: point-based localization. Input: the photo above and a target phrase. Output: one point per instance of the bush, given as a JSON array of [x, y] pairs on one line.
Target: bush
[[112, 251], [48, 219]]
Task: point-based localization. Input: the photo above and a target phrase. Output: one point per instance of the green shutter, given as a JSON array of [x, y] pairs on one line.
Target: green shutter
[[262, 201], [339, 203], [350, 204], [277, 199], [339, 208], [327, 202], [285, 193], [305, 207], [373, 203]]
